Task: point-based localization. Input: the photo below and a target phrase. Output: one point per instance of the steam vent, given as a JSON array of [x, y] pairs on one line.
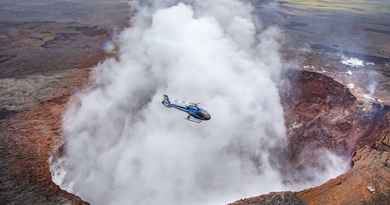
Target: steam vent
[[172, 102]]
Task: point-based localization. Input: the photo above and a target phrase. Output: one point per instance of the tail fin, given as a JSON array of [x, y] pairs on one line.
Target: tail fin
[[166, 101]]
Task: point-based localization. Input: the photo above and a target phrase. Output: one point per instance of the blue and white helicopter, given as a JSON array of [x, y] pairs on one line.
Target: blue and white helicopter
[[195, 113]]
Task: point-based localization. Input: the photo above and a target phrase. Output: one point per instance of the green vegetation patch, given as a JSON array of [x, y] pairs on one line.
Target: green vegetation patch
[[354, 6]]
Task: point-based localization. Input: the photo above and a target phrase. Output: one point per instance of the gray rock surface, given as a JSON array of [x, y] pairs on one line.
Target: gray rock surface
[[285, 198]]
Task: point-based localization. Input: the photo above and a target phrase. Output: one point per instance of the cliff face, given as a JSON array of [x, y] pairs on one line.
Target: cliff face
[[368, 182], [322, 113]]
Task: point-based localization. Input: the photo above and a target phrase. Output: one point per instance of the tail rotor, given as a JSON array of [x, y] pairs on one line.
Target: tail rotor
[[166, 102]]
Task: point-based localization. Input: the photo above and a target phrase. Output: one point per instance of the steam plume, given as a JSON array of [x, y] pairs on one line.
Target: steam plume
[[123, 147]]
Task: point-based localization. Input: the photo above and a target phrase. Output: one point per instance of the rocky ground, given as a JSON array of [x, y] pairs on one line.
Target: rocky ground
[[324, 113], [46, 50], [367, 182], [46, 53], [30, 130], [27, 139]]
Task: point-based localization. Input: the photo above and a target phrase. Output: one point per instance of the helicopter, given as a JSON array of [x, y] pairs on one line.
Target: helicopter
[[195, 113]]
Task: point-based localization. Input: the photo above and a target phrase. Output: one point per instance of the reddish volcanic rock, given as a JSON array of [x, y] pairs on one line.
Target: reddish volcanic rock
[[321, 112], [368, 182], [27, 139]]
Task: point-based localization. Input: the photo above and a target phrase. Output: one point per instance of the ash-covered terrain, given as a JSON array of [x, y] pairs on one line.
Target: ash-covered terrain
[[320, 95]]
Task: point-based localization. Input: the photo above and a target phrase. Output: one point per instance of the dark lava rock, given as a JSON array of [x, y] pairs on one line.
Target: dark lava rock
[[5, 113], [47, 47]]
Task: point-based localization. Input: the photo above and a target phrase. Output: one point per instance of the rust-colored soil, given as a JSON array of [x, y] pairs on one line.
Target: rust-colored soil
[[368, 182], [322, 113], [29, 138]]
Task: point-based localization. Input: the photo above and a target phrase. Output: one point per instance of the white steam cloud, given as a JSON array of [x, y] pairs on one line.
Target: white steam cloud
[[123, 147]]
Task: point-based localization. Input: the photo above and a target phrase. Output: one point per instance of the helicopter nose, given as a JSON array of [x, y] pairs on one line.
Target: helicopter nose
[[207, 116]]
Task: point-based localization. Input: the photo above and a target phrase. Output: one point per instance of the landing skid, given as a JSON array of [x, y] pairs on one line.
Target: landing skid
[[192, 119]]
